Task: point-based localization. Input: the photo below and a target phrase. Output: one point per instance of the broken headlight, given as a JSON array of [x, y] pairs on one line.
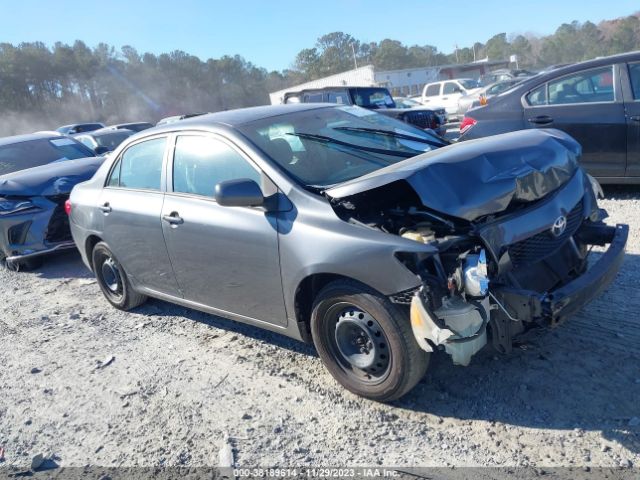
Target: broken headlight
[[11, 206]]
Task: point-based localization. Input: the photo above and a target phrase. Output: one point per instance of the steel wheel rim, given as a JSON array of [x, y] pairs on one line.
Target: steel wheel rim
[[359, 343], [111, 277]]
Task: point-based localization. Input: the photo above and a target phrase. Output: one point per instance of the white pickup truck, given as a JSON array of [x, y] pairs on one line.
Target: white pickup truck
[[447, 93]]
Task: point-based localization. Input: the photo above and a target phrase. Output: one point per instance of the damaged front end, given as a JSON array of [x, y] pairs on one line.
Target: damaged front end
[[513, 242], [33, 220], [33, 226]]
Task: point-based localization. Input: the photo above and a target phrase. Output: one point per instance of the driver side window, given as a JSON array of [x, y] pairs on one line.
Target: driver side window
[[200, 163]]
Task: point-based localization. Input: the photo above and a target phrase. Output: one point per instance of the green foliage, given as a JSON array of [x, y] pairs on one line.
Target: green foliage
[[42, 87]]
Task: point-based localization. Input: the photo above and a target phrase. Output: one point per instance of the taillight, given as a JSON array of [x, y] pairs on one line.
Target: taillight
[[67, 207], [466, 124]]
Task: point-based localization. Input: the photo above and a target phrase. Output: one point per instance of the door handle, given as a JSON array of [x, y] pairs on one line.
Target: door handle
[[173, 219], [541, 120], [105, 208], [445, 98], [635, 118]]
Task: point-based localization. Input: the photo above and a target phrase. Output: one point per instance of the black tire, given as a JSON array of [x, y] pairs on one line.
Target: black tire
[[373, 353], [113, 280], [26, 265]]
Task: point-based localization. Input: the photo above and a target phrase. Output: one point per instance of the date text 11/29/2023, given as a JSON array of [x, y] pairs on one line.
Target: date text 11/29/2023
[[316, 472]]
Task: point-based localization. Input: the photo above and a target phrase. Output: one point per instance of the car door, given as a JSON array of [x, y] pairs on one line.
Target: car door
[[631, 91], [451, 94], [431, 95], [588, 106], [226, 258], [130, 205]]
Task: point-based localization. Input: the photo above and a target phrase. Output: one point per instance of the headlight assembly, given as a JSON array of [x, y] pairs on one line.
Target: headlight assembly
[[12, 206]]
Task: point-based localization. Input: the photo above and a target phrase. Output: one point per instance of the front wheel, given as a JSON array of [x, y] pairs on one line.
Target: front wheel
[[366, 342], [113, 280]]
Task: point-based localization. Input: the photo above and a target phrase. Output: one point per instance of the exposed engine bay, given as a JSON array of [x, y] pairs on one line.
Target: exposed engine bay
[[495, 275]]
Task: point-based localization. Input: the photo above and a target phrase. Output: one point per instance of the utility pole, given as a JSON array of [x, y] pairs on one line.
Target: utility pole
[[456, 47], [355, 61]]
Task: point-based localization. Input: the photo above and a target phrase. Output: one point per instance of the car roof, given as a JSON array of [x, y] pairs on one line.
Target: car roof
[[79, 124], [233, 118], [28, 137], [104, 131], [545, 76]]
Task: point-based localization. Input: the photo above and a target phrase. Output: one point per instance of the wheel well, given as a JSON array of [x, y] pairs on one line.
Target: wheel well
[[91, 242], [306, 292]]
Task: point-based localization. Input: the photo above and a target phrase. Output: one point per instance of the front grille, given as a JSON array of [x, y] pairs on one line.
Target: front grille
[[540, 246], [421, 119], [58, 228]]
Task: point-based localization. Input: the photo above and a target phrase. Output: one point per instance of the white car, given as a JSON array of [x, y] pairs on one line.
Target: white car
[[447, 93]]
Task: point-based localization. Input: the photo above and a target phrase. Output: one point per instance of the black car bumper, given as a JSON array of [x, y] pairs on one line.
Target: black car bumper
[[564, 301]]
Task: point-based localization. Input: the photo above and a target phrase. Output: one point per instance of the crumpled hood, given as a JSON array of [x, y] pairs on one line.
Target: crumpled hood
[[480, 177], [51, 179]]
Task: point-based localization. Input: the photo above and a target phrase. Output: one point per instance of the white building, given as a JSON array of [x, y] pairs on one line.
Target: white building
[[405, 82]]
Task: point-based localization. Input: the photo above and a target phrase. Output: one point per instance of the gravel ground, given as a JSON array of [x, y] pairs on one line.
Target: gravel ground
[[85, 384]]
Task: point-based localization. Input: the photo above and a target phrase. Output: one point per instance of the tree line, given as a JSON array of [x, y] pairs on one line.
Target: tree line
[[42, 87]]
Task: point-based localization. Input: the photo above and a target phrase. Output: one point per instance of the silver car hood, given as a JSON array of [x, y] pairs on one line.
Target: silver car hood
[[480, 177]]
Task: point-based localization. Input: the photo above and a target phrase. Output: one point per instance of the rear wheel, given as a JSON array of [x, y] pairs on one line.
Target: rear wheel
[[113, 280], [366, 342]]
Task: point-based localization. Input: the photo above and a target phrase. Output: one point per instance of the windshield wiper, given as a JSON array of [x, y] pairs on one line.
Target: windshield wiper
[[323, 139], [389, 133]]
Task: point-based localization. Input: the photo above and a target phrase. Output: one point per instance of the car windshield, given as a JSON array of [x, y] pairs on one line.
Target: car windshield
[[372, 98], [327, 146], [469, 84], [34, 153]]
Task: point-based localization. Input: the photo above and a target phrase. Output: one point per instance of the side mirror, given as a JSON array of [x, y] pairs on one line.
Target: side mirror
[[101, 150], [239, 193]]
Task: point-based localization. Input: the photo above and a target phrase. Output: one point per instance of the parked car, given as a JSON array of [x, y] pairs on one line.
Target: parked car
[[597, 102], [330, 224], [37, 172], [176, 118], [133, 126], [104, 140], [503, 74], [408, 102], [79, 128], [371, 98], [485, 93], [447, 93]]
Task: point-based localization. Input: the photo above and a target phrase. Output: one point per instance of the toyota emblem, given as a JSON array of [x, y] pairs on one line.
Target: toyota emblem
[[559, 226]]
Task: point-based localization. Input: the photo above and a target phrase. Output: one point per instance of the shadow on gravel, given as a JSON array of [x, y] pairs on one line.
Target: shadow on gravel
[[584, 374], [165, 309], [613, 192], [67, 264]]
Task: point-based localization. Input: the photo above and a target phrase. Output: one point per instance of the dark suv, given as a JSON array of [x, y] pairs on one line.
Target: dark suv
[[373, 98]]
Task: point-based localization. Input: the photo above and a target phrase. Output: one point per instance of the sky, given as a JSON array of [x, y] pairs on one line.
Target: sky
[[271, 33]]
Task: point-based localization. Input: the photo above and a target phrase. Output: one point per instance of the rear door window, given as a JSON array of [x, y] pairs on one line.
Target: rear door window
[[589, 86], [433, 90], [140, 166], [538, 96]]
